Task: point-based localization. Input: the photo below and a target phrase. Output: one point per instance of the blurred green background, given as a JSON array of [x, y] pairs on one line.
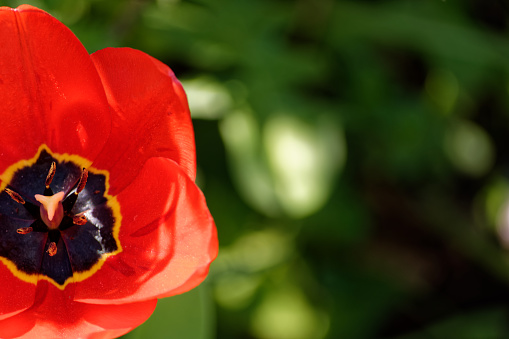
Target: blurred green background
[[354, 155]]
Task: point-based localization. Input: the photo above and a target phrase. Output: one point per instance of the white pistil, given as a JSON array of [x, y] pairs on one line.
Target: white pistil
[[52, 211]]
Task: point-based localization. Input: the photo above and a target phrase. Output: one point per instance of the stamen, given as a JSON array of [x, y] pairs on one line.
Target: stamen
[[52, 249], [24, 230], [15, 196], [83, 181], [79, 219], [51, 174]]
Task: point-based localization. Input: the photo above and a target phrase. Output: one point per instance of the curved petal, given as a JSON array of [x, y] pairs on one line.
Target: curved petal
[[167, 235], [15, 295], [55, 315], [151, 115], [50, 91]]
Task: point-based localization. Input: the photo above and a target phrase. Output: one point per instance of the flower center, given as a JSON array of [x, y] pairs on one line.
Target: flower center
[[60, 237], [51, 208]]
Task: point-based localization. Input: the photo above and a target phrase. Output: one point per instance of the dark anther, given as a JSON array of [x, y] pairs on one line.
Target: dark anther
[[24, 230], [52, 249], [83, 181], [15, 196], [51, 174], [79, 219], [69, 202]]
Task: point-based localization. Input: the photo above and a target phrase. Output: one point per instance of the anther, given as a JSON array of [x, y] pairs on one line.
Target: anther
[[52, 249], [24, 230], [79, 219], [51, 174], [83, 181], [15, 196]]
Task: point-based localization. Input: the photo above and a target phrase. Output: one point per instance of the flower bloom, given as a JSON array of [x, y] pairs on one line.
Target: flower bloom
[[99, 212]]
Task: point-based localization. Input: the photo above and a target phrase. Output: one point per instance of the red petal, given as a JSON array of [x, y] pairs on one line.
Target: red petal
[[167, 235], [55, 315], [50, 91], [152, 116], [15, 294]]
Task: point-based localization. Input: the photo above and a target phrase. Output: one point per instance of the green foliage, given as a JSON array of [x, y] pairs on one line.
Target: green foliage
[[353, 155]]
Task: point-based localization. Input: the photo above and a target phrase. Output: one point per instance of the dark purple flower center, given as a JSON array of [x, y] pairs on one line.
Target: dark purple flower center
[[57, 221]]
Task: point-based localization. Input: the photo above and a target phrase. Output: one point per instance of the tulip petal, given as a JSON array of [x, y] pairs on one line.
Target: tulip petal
[[55, 316], [167, 235], [15, 294], [151, 115], [50, 91]]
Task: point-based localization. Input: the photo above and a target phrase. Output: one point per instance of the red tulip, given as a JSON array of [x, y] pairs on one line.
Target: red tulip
[[99, 212]]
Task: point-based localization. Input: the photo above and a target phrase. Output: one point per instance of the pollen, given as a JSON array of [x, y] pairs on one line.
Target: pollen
[[24, 230], [52, 249], [51, 174], [83, 181], [15, 196], [79, 219]]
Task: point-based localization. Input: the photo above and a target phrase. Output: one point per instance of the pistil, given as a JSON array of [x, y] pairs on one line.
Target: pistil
[[51, 209]]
